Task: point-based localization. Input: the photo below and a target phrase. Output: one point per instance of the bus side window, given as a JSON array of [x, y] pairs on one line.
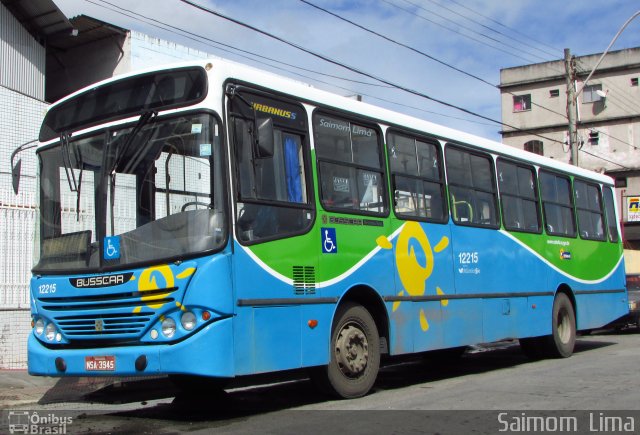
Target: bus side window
[[350, 170], [272, 187], [416, 179], [610, 211], [557, 204], [472, 188], [589, 209], [518, 196]]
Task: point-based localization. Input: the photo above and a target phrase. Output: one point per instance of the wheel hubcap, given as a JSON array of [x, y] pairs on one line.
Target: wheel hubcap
[[564, 327], [352, 350]]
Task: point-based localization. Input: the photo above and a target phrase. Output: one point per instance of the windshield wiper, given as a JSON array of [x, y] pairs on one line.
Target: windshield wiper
[[145, 118], [66, 161], [74, 185]]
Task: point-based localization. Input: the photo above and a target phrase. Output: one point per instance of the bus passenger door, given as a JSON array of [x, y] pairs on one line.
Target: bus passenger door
[[274, 261]]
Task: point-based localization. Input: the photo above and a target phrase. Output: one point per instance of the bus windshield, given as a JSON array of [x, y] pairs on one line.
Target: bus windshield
[[126, 196]]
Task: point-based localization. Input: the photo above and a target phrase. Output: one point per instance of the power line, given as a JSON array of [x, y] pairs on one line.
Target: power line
[[175, 30], [363, 73], [605, 159], [620, 96], [354, 69], [456, 31], [553, 55], [223, 44], [420, 52], [501, 25], [415, 50], [490, 38]]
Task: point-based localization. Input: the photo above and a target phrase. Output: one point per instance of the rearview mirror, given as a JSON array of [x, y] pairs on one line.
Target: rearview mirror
[[15, 176], [17, 168], [264, 142]]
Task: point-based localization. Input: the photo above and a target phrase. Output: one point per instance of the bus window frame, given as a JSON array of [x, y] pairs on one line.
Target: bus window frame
[[382, 170], [611, 191], [441, 181], [604, 236], [536, 192], [495, 192], [569, 178], [305, 134]]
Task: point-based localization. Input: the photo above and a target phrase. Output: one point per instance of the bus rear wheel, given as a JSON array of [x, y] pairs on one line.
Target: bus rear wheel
[[561, 342], [354, 357]]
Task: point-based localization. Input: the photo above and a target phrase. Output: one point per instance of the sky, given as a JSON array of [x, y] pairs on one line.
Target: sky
[[447, 50]]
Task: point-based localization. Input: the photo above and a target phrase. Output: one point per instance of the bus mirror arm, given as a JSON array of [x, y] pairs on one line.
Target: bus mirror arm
[[264, 138], [262, 127], [16, 168]]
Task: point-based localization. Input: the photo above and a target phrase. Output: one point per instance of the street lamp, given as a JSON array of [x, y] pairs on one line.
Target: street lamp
[[572, 95]]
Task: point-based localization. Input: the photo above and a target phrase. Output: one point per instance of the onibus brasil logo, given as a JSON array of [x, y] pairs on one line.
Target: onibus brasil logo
[[27, 422]]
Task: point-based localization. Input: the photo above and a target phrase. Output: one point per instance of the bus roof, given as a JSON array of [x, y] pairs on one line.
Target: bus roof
[[221, 70]]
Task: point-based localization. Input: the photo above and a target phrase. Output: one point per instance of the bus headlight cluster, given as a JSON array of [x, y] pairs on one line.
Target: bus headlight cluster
[[50, 332], [179, 323], [188, 320], [168, 327], [39, 327]]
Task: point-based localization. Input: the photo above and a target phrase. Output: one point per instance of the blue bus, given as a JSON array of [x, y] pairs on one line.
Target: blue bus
[[213, 220]]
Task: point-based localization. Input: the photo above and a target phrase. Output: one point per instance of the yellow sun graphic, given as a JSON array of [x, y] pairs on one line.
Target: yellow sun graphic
[[413, 275], [147, 283]]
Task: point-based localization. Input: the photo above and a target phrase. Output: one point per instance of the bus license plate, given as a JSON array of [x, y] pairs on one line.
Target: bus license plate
[[100, 363]]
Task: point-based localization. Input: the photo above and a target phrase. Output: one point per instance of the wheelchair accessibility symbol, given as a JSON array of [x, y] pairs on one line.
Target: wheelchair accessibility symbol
[[329, 241], [111, 248]]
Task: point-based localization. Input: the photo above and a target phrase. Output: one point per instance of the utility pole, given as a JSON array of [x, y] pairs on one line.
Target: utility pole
[[569, 66]]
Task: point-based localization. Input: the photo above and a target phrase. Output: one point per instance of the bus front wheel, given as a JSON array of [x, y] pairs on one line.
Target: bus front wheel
[[354, 354]]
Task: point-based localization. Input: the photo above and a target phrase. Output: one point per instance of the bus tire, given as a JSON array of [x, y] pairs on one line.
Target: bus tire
[[561, 342], [354, 356]]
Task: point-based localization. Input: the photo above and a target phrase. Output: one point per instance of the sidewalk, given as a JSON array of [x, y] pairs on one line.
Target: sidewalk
[[19, 389]]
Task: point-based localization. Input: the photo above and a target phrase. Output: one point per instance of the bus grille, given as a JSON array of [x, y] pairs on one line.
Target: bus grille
[[106, 316], [103, 325]]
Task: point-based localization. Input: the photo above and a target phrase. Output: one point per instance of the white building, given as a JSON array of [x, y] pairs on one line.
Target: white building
[[43, 57]]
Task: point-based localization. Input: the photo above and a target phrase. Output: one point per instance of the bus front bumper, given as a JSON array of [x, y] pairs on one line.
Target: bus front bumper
[[208, 352]]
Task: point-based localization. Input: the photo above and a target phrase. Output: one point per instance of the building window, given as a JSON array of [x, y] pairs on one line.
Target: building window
[[521, 103], [590, 93], [534, 146], [621, 182], [634, 81], [553, 93], [594, 137]]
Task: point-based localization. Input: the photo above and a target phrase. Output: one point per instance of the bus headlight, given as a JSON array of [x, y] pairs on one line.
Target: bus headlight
[[39, 326], [50, 332], [168, 327], [188, 320]]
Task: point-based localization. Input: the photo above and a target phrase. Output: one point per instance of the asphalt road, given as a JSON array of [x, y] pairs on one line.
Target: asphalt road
[[488, 389]]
